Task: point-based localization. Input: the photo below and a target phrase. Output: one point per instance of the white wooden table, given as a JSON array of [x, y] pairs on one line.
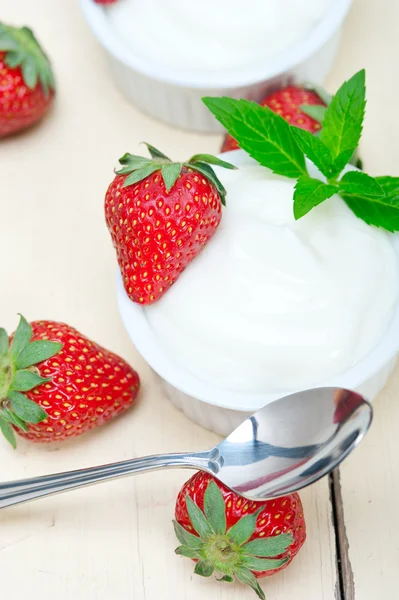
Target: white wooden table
[[115, 541]]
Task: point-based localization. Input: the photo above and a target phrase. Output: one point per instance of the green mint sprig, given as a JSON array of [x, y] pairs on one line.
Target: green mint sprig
[[281, 147]]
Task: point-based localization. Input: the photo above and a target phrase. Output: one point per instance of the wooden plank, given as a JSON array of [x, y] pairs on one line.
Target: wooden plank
[[370, 490], [116, 540]]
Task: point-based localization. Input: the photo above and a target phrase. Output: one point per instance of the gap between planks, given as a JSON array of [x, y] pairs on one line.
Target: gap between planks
[[345, 589]]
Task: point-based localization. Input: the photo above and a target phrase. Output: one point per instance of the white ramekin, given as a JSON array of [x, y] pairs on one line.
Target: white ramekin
[[222, 410], [175, 96]]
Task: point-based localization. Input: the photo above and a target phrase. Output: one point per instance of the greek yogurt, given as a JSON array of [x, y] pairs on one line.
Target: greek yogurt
[[274, 304], [210, 35]]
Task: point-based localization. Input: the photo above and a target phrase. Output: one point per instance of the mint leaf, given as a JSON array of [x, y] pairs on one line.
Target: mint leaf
[[309, 193], [382, 211], [267, 137], [343, 121], [314, 149], [355, 182], [215, 508]]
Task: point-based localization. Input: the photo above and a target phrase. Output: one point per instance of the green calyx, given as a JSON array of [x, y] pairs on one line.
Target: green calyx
[[138, 168], [19, 374], [228, 552], [23, 50]]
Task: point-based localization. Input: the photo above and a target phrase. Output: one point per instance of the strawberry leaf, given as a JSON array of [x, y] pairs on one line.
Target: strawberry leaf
[[133, 160], [203, 569], [214, 507], [246, 576], [244, 528], [210, 174], [186, 538], [141, 174], [309, 193], [227, 579], [343, 121], [170, 173], [30, 72], [25, 409], [198, 520], [269, 547], [22, 49], [314, 149], [266, 136], [156, 154], [36, 352], [3, 342], [188, 552], [10, 417], [354, 182], [21, 338], [211, 160], [23, 381], [8, 432], [263, 564]]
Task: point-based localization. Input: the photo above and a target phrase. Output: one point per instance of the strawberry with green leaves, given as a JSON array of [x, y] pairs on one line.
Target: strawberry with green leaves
[[281, 147], [160, 215], [234, 538], [56, 384], [27, 84]]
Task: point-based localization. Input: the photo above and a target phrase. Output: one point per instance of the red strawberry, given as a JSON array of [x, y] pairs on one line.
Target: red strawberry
[[105, 1], [56, 384], [287, 102], [224, 533], [160, 215], [26, 80]]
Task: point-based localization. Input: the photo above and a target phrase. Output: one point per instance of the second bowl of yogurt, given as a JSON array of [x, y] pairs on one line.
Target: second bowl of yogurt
[[272, 305], [166, 55]]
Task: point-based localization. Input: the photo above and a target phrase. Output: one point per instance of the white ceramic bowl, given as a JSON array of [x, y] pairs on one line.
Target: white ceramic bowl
[[175, 96], [222, 410]]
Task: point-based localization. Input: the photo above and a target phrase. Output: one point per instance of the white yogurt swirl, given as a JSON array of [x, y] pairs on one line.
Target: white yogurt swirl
[[275, 304], [213, 35]]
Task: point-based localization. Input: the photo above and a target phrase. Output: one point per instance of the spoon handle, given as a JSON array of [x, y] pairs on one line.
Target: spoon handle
[[16, 492]]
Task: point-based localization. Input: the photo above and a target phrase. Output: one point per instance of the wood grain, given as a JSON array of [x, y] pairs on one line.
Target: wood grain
[[370, 491], [115, 541]]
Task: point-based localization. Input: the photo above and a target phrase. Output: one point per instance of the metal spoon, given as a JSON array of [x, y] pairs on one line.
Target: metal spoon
[[284, 447]]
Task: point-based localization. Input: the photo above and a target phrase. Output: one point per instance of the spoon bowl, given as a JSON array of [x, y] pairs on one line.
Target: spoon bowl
[[283, 447]]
